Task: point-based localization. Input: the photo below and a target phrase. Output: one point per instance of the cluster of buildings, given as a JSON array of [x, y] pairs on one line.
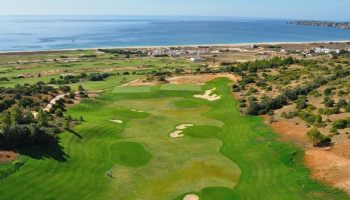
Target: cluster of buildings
[[323, 50], [194, 54]]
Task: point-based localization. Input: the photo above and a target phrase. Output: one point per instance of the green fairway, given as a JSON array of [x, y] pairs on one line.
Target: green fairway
[[132, 89], [224, 156], [183, 87]]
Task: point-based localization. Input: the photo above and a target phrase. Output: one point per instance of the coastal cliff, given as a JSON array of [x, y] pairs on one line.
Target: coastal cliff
[[339, 25]]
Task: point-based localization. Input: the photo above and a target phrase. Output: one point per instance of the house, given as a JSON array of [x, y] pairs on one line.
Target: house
[[197, 58]]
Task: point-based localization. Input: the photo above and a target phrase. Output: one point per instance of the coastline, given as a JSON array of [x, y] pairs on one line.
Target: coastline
[[184, 45]]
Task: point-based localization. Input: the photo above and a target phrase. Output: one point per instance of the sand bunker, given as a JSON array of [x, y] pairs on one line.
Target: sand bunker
[[140, 111], [179, 129], [191, 197], [116, 121], [183, 126], [176, 134], [209, 96], [6, 156]]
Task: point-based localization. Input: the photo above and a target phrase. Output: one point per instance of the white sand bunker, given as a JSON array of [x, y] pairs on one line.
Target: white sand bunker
[[183, 126], [176, 134], [191, 197], [140, 111], [179, 129], [209, 96], [116, 121]]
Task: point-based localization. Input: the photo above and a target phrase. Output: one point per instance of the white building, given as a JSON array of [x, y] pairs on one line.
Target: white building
[[325, 50], [197, 58]]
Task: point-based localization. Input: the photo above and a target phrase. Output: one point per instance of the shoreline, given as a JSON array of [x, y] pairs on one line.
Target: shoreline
[[184, 45]]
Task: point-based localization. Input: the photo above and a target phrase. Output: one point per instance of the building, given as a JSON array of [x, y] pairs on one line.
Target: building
[[197, 58]]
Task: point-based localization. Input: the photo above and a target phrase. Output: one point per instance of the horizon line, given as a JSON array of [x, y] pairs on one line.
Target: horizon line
[[199, 16]]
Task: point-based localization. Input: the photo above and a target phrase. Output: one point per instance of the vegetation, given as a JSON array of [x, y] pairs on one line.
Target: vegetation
[[266, 104], [67, 79], [317, 138]]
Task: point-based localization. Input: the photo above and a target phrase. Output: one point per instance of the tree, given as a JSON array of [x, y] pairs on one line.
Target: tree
[[6, 119], [301, 102], [17, 114], [67, 122], [340, 124], [65, 88], [80, 88], [342, 103], [317, 138], [42, 118], [329, 102], [71, 95], [59, 112]]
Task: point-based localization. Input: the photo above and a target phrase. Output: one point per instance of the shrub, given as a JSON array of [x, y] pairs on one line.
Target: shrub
[[317, 138], [341, 124]]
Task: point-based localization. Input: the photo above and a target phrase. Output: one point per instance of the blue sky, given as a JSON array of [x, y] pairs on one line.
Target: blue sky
[[305, 9]]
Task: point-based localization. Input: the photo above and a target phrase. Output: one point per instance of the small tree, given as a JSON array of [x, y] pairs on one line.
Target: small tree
[[42, 118], [67, 122], [17, 114], [80, 88], [6, 119], [59, 113], [317, 138]]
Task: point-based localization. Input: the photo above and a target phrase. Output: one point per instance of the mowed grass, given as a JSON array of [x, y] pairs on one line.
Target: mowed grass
[[182, 87], [224, 156], [132, 89]]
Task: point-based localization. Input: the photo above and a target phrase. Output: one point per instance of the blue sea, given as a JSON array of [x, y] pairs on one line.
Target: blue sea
[[27, 33]]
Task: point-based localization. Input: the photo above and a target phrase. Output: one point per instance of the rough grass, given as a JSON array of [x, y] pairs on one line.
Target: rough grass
[[224, 156]]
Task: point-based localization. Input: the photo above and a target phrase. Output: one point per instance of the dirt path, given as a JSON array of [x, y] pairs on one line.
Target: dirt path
[[53, 102]]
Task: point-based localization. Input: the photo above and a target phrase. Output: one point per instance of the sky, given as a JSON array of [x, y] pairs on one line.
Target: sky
[[338, 10]]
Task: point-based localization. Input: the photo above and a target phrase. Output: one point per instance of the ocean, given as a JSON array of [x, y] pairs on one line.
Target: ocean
[[31, 33]]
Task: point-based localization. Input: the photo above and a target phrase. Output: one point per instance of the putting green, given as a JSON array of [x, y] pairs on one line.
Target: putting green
[[224, 156]]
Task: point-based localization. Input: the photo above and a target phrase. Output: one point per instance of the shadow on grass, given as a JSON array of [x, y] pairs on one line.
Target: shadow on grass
[[50, 151], [74, 133]]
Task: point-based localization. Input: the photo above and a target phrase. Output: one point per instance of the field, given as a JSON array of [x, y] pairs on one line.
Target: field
[[223, 156]]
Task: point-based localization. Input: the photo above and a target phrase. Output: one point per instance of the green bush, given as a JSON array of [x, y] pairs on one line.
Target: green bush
[[317, 138]]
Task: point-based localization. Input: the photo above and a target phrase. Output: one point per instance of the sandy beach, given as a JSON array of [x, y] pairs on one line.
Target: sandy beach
[[180, 45]]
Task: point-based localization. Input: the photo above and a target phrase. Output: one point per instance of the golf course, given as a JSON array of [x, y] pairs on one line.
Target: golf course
[[164, 142]]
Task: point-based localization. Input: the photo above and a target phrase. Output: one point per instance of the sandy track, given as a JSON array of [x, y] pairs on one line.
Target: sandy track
[[53, 102]]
